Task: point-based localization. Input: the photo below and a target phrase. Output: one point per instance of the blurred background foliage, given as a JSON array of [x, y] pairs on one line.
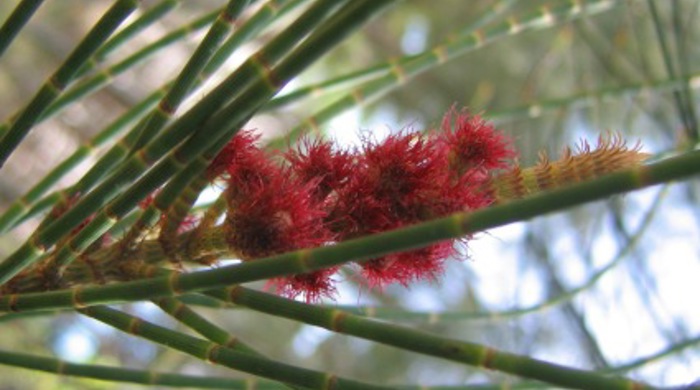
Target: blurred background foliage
[[547, 89]]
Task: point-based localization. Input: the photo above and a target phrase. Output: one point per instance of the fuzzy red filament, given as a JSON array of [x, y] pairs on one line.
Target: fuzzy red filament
[[322, 194]]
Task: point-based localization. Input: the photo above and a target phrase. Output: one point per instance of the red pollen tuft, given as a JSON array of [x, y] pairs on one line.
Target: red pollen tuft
[[474, 143], [316, 161], [326, 195], [406, 267], [312, 286]]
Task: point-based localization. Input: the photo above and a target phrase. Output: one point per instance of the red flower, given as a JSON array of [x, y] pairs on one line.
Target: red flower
[[474, 143], [241, 161], [393, 181], [274, 217], [271, 212], [400, 181], [406, 267], [313, 285], [316, 161], [325, 195]]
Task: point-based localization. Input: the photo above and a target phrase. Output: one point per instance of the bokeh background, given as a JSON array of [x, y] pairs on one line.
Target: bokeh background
[[610, 285]]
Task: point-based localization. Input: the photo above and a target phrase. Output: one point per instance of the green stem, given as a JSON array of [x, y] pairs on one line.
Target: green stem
[[187, 78], [674, 349], [122, 148], [118, 374], [401, 71], [686, 117], [201, 325], [22, 207], [14, 23], [145, 20], [185, 126], [179, 90], [55, 85], [100, 79], [154, 151], [220, 355], [538, 108], [381, 69], [425, 343], [207, 140], [565, 296], [231, 117], [362, 249]]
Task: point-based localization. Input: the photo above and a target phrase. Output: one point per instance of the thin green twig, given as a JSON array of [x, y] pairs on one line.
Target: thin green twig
[[16, 21], [217, 354], [119, 374], [362, 249], [55, 85]]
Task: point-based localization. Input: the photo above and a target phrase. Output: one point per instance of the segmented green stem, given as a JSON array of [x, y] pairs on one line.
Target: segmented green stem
[[494, 12], [104, 77], [201, 325], [425, 343], [182, 86], [177, 205], [403, 70], [213, 135], [272, 10], [217, 354], [145, 20], [123, 147], [55, 85], [566, 296], [226, 119], [539, 108], [118, 374], [14, 23], [674, 349], [167, 107], [362, 249], [188, 76], [22, 207], [190, 299], [685, 109], [188, 123], [101, 168], [357, 76]]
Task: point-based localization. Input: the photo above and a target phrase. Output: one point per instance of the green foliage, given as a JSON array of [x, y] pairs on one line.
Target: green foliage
[[161, 88]]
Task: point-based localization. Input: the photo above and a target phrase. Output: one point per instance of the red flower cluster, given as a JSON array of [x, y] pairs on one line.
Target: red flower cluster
[[320, 194]]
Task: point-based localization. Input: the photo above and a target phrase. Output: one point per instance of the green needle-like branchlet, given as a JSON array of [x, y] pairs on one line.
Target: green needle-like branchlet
[[148, 18], [361, 249], [102, 78], [217, 354], [146, 130], [25, 206], [397, 73], [378, 70], [55, 85], [119, 374], [177, 93], [161, 145], [425, 343], [14, 23], [437, 317], [127, 231]]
